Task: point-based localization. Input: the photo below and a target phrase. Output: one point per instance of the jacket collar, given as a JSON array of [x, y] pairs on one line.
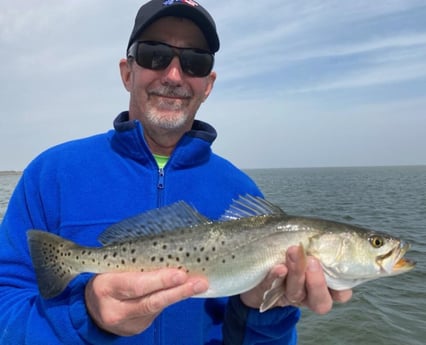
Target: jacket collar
[[193, 148]]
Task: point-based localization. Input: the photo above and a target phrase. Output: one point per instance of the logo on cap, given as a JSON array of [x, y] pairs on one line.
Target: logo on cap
[[187, 2]]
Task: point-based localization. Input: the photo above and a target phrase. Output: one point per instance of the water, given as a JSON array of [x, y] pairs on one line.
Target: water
[[8, 182], [387, 311]]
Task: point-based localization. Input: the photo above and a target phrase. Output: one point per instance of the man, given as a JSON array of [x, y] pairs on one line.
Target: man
[[157, 154]]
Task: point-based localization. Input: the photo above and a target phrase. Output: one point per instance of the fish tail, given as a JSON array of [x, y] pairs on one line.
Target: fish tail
[[52, 264]]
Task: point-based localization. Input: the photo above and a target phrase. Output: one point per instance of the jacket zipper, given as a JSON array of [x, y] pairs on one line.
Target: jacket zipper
[[160, 201], [160, 187]]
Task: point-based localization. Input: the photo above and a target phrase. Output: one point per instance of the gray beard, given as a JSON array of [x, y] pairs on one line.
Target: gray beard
[[155, 116]]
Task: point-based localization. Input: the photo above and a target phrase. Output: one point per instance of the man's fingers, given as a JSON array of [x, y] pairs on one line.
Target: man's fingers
[[151, 292], [132, 285], [341, 296], [127, 303], [295, 281], [304, 285], [318, 296], [157, 301]]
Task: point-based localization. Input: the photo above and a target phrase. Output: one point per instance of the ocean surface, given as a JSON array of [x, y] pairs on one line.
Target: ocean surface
[[389, 311]]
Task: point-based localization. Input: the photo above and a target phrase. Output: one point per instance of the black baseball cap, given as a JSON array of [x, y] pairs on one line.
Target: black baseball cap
[[190, 9]]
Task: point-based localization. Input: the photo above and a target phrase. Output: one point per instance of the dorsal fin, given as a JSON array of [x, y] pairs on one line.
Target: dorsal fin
[[153, 222], [250, 206]]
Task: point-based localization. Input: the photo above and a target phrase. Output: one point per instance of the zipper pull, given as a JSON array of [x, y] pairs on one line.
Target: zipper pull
[[160, 184]]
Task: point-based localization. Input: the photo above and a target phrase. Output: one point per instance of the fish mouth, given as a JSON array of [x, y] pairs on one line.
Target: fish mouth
[[394, 262], [404, 265]]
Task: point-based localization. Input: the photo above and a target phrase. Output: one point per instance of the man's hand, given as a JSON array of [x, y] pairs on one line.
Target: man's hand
[[303, 285], [127, 303]]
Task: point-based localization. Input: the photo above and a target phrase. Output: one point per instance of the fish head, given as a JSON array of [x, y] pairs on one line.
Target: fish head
[[350, 258]]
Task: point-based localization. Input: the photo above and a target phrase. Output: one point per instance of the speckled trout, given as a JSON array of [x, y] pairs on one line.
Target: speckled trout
[[234, 253]]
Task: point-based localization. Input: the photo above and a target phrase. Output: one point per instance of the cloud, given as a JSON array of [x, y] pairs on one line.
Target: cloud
[[300, 40], [371, 76]]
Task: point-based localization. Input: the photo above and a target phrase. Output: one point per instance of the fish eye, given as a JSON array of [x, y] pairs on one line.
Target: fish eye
[[376, 241]]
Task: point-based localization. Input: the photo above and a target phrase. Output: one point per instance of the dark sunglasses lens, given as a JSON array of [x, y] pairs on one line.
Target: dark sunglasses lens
[[156, 57], [197, 64]]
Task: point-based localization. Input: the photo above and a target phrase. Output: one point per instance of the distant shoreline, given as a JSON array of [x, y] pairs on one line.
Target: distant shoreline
[[17, 172], [10, 172], [342, 167]]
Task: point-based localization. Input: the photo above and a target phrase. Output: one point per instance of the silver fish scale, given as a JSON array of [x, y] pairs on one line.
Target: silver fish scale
[[195, 249]]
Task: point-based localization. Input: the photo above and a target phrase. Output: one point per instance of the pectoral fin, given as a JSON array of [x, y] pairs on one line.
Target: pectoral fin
[[276, 292], [273, 295]]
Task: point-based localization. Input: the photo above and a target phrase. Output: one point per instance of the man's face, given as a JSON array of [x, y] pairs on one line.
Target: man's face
[[169, 98]]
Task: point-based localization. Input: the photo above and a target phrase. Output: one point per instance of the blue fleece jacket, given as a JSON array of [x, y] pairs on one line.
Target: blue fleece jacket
[[78, 189]]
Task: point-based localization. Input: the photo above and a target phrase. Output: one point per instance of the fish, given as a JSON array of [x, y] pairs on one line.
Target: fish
[[235, 253]]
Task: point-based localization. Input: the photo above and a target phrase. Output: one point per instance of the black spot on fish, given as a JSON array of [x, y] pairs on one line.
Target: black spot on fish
[[164, 246], [133, 251], [123, 262], [105, 256], [134, 260], [114, 254], [153, 259]]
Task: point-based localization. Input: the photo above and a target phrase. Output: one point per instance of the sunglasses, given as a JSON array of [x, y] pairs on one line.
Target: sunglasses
[[157, 56]]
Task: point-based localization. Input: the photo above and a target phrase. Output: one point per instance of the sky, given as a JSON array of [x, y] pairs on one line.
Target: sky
[[300, 83]]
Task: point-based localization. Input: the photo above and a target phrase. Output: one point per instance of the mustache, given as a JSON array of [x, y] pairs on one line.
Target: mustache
[[170, 91]]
